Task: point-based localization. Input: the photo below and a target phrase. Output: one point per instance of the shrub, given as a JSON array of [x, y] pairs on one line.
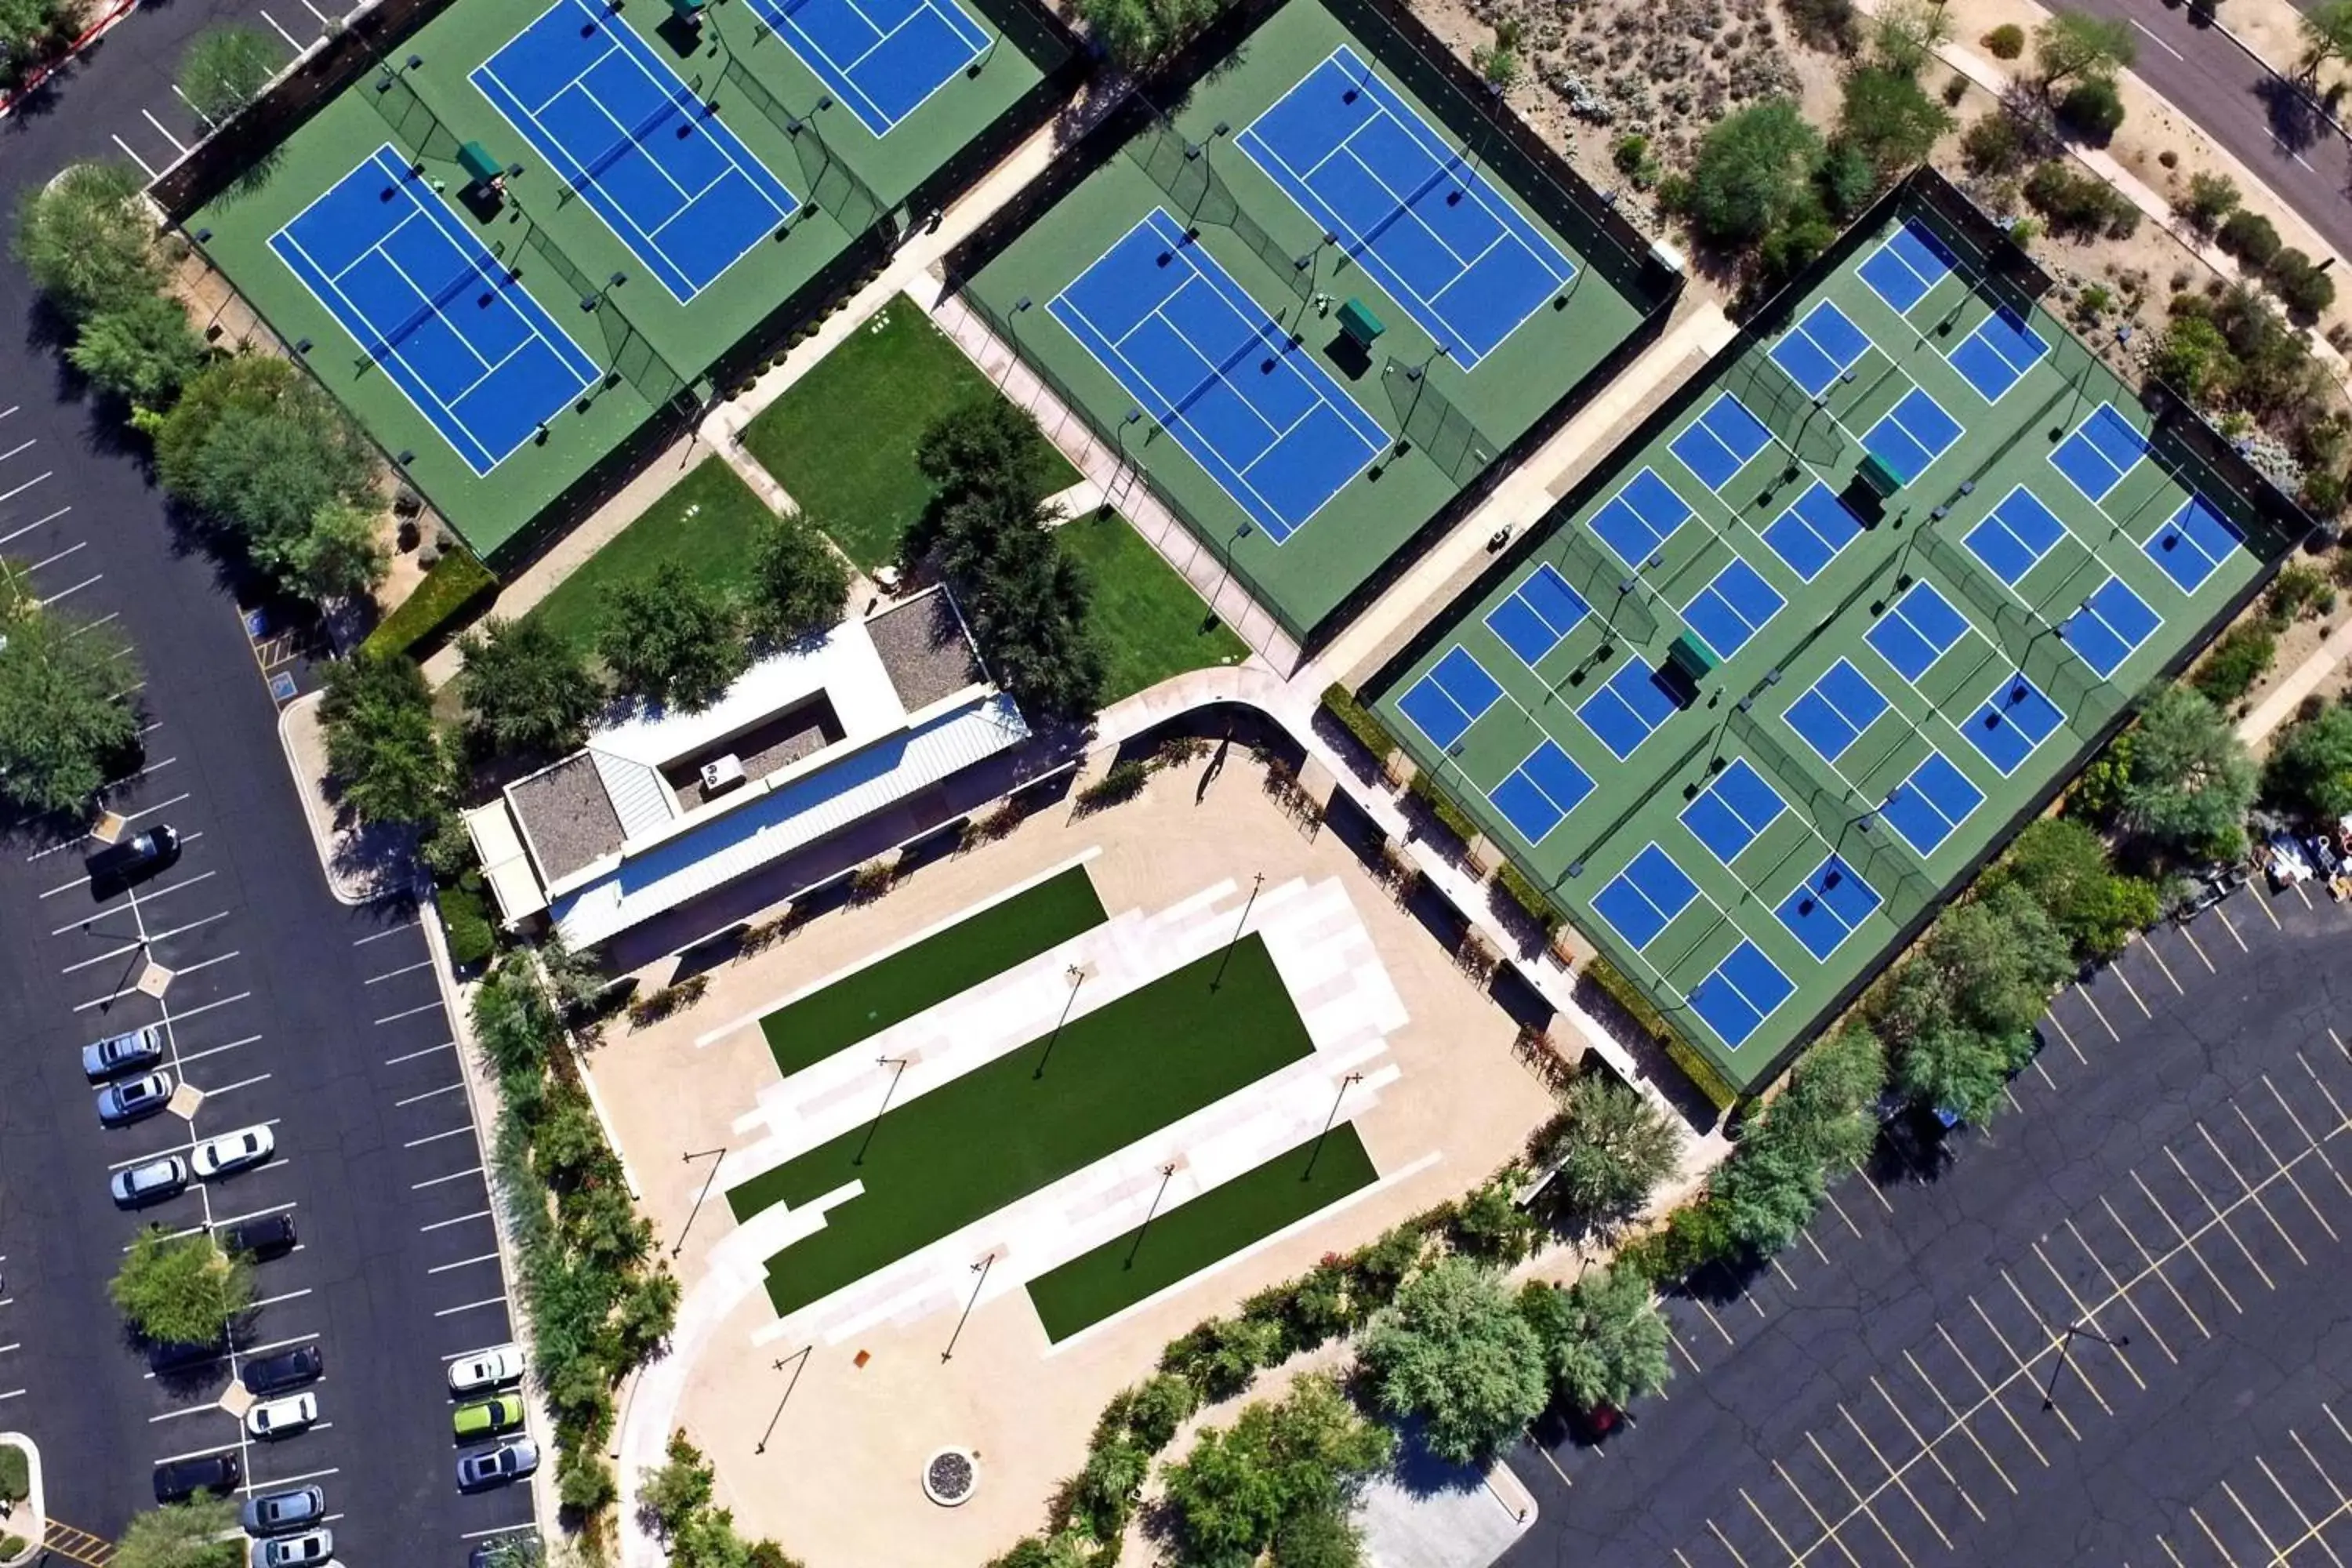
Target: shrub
[[1528, 897], [2249, 237], [2210, 199], [2005, 42], [456, 582], [1123, 782], [467, 918], [1358, 720], [873, 879], [669, 999], [1995, 145], [2295, 590], [1426, 789], [2080, 206], [2092, 109], [2235, 663], [1825, 24], [1637, 1006], [2301, 286]]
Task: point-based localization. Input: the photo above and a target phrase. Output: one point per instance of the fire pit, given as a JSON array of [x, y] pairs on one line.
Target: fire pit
[[950, 1476]]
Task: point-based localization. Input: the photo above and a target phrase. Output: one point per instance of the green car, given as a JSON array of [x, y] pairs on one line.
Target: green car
[[503, 1414]]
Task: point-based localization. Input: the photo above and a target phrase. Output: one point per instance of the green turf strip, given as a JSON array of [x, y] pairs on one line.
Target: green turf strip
[[1183, 1241], [972, 1146], [896, 988]]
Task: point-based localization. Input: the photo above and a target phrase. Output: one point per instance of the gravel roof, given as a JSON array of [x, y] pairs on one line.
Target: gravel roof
[[924, 649], [567, 819]]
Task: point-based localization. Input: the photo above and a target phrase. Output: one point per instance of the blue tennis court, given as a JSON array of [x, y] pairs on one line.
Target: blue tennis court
[[1996, 356], [1451, 697], [2112, 623], [1927, 807], [1809, 535], [882, 57], [1541, 791], [1205, 359], [1834, 712], [1629, 708], [1919, 629], [1732, 609], [2012, 722], [1821, 348], [1407, 205], [2192, 542], [1641, 518], [1744, 990], [2100, 452], [620, 126], [445, 319], [1828, 907], [1721, 441], [1644, 899], [2015, 535], [1542, 611], [1907, 264], [1912, 434], [1733, 811]]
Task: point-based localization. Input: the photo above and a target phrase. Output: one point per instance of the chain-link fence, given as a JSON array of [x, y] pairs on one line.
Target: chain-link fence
[[1188, 176]]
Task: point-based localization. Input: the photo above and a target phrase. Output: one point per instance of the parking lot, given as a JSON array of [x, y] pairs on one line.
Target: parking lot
[[2104, 1332]]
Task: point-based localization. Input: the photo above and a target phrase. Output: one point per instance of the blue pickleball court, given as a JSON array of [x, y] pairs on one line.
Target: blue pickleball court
[[881, 57], [2109, 626], [2193, 541], [1451, 698], [2015, 535], [1828, 907], [1205, 359], [1819, 349], [1732, 609], [1927, 807], [1638, 519], [1743, 991], [1912, 434], [1907, 265], [1628, 709], [1540, 792], [1407, 205], [1733, 811], [2009, 725], [1721, 441], [1644, 899], [1809, 535], [1537, 615], [620, 128], [2100, 452], [1918, 630], [441, 317], [1996, 356], [1835, 710]]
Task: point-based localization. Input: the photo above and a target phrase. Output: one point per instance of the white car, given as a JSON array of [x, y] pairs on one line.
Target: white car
[[230, 1152], [295, 1551], [491, 1368], [281, 1417]]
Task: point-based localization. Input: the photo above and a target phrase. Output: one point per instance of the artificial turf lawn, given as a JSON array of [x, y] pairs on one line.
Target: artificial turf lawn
[[1149, 621], [841, 440], [897, 987], [1182, 1241], [997, 1134], [705, 522]]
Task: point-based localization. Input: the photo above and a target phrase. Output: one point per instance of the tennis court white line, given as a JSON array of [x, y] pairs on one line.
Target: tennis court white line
[[431, 304], [957, 21]]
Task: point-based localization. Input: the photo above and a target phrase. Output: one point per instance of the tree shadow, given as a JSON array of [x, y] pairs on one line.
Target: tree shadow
[[2291, 112]]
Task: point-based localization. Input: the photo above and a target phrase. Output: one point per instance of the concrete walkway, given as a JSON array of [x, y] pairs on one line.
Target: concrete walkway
[[2279, 707]]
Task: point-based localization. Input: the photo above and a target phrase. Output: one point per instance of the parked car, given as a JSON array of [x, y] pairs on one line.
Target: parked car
[[491, 1368], [273, 1374], [183, 1478], [487, 1418], [140, 1047], [294, 1550], [140, 855], [233, 1151], [510, 1462], [281, 1417], [151, 1183], [133, 1100], [275, 1513], [266, 1236]]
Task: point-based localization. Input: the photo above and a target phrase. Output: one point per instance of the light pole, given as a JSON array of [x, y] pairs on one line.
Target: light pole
[[1345, 1084], [988, 1261], [1077, 975], [1238, 535], [1257, 880], [1167, 1174], [690, 1159], [803, 1358], [2066, 1346], [900, 1064]]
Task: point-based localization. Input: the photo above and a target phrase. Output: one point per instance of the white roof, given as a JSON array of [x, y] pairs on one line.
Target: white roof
[[842, 664], [504, 864]]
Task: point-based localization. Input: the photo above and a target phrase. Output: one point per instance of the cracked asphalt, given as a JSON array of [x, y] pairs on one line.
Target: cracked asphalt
[[2107, 1330]]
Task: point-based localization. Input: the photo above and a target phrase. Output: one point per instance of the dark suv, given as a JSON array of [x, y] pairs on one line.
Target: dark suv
[[272, 1374], [183, 1478], [140, 855], [264, 1236]]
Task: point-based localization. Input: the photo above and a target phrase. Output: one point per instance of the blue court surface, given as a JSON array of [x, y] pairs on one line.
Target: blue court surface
[[1744, 990], [1827, 907], [1821, 348], [1912, 434], [2100, 452], [2012, 722], [1809, 535], [2015, 535], [1996, 356], [1407, 205], [1644, 897], [882, 57], [1723, 440], [1542, 611], [1451, 698], [2112, 623], [1918, 630], [1906, 265], [1732, 609], [1628, 709], [441, 317], [2196, 540], [1733, 811], [619, 125], [1929, 806], [1206, 362], [1540, 792], [1834, 712], [1641, 518]]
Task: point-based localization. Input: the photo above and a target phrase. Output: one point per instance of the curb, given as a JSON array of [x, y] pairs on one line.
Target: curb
[[2318, 107], [97, 30], [321, 838], [34, 1529]]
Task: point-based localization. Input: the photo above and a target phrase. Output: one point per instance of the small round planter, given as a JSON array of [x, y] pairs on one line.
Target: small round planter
[[951, 1476], [24, 1522]]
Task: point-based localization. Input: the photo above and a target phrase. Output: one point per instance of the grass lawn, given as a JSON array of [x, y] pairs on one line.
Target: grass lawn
[[842, 438], [1148, 621], [973, 1146], [932, 970], [704, 521], [1183, 1241]]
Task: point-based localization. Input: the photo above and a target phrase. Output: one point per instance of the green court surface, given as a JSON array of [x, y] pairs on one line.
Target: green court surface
[[891, 989], [997, 1134], [1873, 693], [1184, 1240], [1305, 564]]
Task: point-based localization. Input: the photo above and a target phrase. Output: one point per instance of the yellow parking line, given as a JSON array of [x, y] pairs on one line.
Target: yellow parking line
[[2231, 926], [1717, 1530], [1957, 1421]]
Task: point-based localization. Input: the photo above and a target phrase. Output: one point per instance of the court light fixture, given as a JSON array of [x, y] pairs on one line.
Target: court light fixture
[[301, 345], [405, 457], [1022, 304], [204, 236]]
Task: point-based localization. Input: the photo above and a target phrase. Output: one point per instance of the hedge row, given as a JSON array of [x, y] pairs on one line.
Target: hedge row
[[453, 585], [1358, 720], [1638, 1006], [1426, 789], [1528, 897]]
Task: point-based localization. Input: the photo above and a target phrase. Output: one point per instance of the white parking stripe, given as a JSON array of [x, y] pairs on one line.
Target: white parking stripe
[[391, 973], [430, 1094], [437, 1137], [461, 1219], [411, 1013], [412, 1056], [452, 1176], [379, 936], [442, 1269], [471, 1306]]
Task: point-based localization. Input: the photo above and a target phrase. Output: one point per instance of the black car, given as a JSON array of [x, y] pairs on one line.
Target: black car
[[273, 1374], [140, 855], [264, 1237], [183, 1478]]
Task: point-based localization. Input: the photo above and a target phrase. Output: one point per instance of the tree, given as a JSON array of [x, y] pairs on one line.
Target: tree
[[2301, 284], [527, 692], [141, 350], [226, 68], [1027, 600], [2250, 237], [2310, 769], [1828, 1108], [1603, 1337], [381, 746], [341, 557], [1889, 119], [1959, 1014], [201, 1534], [984, 444], [2093, 109], [2072, 46], [674, 1492], [798, 580], [672, 638], [2326, 28], [180, 1289], [1454, 1351], [1767, 1191], [2194, 358], [1754, 170], [1139, 32], [87, 241], [2235, 661], [1610, 1147], [1310, 1454], [1316, 1538], [2212, 197], [64, 710], [1905, 34], [2062, 865], [1499, 64]]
